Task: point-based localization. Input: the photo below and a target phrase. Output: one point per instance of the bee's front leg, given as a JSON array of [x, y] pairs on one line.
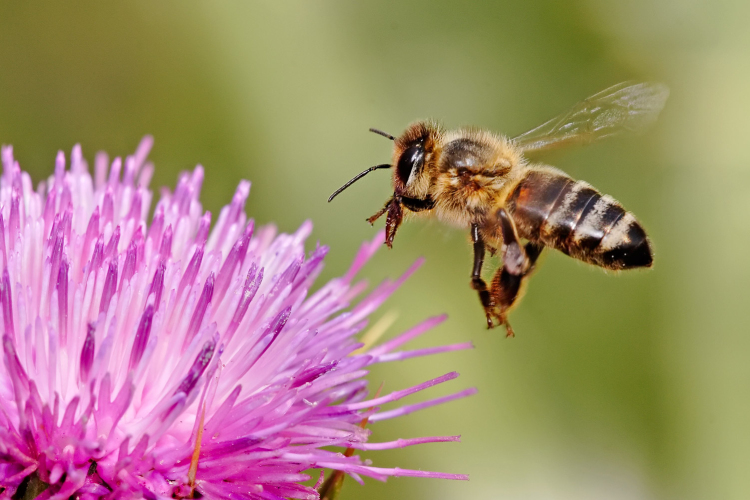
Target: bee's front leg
[[417, 205], [518, 262], [395, 210]]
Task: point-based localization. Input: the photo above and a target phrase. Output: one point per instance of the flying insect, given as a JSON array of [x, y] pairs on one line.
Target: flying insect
[[482, 181]]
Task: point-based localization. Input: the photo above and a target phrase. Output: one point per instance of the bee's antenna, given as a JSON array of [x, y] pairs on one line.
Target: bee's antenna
[[356, 178], [384, 134]]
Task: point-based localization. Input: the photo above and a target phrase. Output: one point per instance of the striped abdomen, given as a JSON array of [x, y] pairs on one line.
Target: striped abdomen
[[551, 208]]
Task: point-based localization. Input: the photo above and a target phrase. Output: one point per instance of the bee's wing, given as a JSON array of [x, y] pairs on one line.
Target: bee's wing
[[625, 107]]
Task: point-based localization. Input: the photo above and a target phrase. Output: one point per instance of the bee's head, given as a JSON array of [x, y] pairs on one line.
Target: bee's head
[[412, 152]]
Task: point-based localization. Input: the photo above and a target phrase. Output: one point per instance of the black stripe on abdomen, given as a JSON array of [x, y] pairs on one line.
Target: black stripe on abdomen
[[571, 216], [533, 200]]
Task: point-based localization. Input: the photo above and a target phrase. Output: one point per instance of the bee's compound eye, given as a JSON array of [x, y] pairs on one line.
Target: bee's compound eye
[[410, 159]]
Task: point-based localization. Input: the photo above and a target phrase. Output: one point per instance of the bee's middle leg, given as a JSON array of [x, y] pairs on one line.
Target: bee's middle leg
[[518, 262], [477, 283]]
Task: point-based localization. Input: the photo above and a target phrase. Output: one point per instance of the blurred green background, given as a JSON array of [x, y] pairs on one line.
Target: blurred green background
[[627, 387]]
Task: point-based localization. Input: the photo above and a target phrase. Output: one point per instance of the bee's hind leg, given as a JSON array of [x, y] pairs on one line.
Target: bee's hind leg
[[518, 262], [477, 283]]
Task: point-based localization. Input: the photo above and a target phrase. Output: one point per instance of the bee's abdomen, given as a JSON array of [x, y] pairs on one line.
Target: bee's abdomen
[[571, 216]]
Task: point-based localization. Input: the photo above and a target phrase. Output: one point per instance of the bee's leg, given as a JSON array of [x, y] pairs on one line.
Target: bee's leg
[[393, 220], [394, 208], [477, 283], [533, 251], [417, 205], [518, 262], [380, 213]]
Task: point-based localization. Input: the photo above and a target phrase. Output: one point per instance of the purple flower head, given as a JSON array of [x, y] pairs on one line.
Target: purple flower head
[[172, 359]]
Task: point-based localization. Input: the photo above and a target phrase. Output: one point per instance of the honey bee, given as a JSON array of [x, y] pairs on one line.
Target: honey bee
[[482, 181]]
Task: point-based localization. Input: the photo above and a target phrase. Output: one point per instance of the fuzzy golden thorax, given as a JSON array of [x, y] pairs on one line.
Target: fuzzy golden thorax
[[472, 172]]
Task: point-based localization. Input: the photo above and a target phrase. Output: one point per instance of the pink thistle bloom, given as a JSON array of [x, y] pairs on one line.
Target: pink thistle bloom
[[155, 360]]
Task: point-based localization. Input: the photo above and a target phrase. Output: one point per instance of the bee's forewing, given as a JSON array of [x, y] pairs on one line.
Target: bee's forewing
[[625, 107]]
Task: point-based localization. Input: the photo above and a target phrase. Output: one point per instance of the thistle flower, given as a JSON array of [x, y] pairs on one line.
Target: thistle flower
[[169, 359]]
